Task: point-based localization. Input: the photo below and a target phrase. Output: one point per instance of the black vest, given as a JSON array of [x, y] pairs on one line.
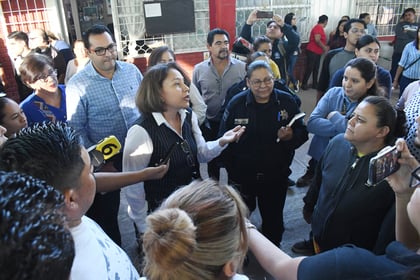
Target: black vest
[[183, 165]]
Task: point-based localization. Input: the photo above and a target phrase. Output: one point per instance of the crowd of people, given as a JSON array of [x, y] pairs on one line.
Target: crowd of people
[[59, 217]]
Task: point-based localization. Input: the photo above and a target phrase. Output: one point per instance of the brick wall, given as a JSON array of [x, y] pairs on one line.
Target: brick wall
[[23, 16], [11, 87]]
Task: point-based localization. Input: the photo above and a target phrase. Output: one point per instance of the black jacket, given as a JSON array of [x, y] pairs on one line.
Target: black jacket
[[257, 151]]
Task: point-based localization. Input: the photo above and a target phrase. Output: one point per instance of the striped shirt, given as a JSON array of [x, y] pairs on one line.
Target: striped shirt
[[409, 55]]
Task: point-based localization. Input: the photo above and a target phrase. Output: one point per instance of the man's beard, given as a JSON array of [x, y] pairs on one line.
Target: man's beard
[[223, 54]]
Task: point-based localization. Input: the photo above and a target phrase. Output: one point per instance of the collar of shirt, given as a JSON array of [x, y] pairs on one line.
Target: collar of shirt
[[232, 60], [160, 119], [250, 99]]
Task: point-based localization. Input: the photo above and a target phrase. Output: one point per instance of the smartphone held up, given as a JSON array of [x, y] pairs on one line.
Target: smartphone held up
[[265, 14], [383, 164]]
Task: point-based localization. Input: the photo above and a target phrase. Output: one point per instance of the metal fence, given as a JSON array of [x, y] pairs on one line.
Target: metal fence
[[129, 24]]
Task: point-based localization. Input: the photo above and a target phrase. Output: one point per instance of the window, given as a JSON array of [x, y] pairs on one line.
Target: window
[[26, 15], [130, 31], [385, 14], [302, 8]]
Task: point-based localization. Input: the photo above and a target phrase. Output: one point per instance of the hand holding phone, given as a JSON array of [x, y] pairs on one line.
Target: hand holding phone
[[109, 146], [383, 164], [104, 150], [168, 154]]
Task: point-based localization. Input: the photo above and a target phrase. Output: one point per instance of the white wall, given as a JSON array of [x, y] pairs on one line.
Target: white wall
[[334, 9], [56, 15]]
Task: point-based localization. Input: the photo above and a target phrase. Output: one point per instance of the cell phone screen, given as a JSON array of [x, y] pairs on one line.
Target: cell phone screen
[[383, 165], [264, 14]]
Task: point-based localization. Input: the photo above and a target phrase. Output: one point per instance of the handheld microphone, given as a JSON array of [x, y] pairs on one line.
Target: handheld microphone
[[105, 149], [109, 146]]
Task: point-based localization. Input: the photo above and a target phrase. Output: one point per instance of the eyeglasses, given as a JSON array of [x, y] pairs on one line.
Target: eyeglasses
[[258, 83], [44, 77], [415, 178], [190, 158], [101, 51], [187, 150], [357, 30]]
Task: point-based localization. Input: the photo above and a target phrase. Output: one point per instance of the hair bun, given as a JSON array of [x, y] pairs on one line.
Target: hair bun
[[170, 238]]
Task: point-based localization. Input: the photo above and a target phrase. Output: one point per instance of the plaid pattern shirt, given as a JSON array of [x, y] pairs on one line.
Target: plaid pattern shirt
[[98, 107]]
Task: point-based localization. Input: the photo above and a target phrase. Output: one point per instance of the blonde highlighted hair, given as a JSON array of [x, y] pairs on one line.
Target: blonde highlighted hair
[[195, 232]]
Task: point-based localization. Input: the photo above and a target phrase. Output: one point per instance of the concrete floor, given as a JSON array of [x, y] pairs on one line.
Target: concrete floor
[[296, 229]]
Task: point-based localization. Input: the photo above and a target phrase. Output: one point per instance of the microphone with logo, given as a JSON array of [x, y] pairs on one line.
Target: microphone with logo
[[103, 151]]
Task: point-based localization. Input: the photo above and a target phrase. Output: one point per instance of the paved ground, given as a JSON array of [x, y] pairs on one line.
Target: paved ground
[[296, 227]]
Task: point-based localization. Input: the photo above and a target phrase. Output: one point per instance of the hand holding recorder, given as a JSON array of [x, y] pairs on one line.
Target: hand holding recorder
[[104, 150]]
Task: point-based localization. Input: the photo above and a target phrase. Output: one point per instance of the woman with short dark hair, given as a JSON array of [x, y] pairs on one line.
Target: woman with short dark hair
[[48, 101], [166, 130]]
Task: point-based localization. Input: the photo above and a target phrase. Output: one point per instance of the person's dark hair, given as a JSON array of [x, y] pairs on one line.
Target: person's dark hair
[[366, 40], [19, 36], [34, 239], [348, 24], [367, 69], [337, 29], [32, 67], [288, 19], [363, 15], [3, 102], [96, 29], [214, 32], [254, 56], [156, 55], [148, 98], [271, 21], [323, 19], [48, 151], [407, 11], [387, 116], [346, 17], [255, 65], [260, 40]]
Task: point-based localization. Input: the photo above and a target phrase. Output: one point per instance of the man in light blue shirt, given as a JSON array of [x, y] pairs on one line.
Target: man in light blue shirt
[[100, 102]]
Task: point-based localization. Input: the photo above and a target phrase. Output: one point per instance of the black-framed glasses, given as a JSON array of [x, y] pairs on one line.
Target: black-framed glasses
[[187, 150], [44, 77], [415, 178], [258, 83], [101, 51]]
